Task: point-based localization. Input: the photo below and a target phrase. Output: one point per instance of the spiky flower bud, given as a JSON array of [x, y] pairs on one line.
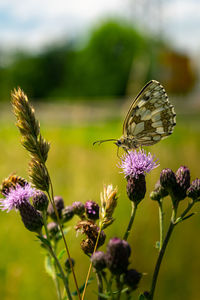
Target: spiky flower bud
[[40, 201], [67, 213], [167, 179], [117, 256], [59, 203], [159, 192], [194, 190], [132, 278], [92, 210], [98, 260], [108, 203], [31, 218], [53, 229], [136, 188], [183, 183], [79, 208], [68, 265]]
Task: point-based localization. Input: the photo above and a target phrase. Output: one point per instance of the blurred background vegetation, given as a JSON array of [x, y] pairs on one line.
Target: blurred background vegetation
[[81, 88]]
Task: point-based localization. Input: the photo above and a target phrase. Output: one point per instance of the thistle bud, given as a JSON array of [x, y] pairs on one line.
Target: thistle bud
[[79, 208], [159, 192], [132, 278], [68, 265], [59, 203], [183, 183], [194, 190], [31, 218], [92, 210], [117, 255], [98, 260], [67, 213], [167, 179], [136, 188], [40, 201], [53, 229]]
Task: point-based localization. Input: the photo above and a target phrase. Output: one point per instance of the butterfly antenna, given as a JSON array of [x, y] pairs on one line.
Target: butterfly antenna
[[102, 141]]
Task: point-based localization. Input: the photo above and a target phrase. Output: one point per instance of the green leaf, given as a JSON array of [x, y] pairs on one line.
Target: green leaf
[[49, 266], [44, 241], [82, 287], [62, 252]]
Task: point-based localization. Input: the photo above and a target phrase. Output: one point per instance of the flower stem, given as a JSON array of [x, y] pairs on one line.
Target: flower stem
[[90, 266], [161, 215], [162, 252], [100, 285], [133, 212]]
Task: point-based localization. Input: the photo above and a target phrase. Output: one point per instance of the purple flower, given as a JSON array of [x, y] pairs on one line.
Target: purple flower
[[135, 163], [92, 210], [16, 197]]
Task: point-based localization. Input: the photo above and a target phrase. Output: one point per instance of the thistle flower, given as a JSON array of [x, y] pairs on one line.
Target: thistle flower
[[194, 190], [108, 203], [158, 192], [117, 256], [53, 229], [40, 200], [79, 208], [68, 265], [135, 163], [183, 183], [59, 203], [132, 278], [67, 213], [16, 197], [98, 260], [92, 210], [136, 188], [167, 179]]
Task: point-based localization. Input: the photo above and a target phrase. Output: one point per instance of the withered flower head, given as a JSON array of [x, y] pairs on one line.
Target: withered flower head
[[108, 203], [91, 230]]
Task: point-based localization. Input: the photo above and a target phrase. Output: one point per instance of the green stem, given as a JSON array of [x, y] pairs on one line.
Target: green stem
[[161, 215], [162, 252], [44, 214], [133, 212], [100, 285]]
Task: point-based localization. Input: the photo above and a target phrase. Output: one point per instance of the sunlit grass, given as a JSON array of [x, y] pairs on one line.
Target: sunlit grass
[[78, 172]]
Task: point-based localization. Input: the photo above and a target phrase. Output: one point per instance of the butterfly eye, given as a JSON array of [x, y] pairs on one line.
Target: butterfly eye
[[119, 143]]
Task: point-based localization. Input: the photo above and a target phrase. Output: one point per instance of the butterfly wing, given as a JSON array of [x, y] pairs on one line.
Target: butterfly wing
[[151, 117]]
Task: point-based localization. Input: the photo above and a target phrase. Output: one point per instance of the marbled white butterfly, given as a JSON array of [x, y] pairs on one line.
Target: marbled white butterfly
[[150, 118]]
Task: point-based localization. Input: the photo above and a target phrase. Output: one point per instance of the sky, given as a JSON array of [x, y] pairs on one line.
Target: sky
[[35, 23]]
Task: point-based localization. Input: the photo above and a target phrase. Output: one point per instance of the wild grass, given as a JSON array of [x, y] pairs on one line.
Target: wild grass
[[78, 172]]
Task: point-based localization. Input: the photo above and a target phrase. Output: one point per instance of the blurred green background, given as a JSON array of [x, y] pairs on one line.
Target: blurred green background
[[81, 87]]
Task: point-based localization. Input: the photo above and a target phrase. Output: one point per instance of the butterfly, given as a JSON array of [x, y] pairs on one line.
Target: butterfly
[[150, 118]]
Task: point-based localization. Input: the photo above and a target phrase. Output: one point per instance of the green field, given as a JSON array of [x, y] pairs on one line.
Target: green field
[[78, 171]]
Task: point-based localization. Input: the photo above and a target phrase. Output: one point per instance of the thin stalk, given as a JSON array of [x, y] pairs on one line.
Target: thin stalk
[[119, 286], [90, 266], [162, 252], [133, 212], [161, 217], [51, 197]]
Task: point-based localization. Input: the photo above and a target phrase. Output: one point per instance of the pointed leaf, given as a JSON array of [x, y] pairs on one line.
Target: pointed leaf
[[62, 252]]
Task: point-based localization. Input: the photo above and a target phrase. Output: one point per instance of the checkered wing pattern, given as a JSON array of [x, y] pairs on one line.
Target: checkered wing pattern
[[151, 117]]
